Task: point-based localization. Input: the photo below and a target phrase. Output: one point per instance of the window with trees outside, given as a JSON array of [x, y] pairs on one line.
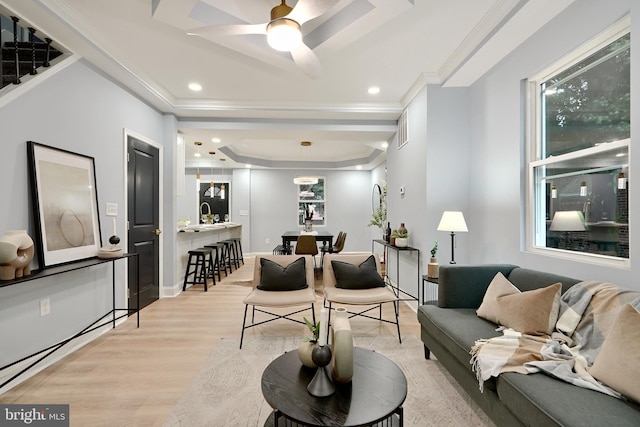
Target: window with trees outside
[[580, 176], [311, 203]]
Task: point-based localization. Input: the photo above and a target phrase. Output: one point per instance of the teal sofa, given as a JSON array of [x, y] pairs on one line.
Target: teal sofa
[[450, 327]]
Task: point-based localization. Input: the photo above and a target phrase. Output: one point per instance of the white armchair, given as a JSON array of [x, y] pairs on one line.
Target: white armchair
[[368, 289], [279, 298]]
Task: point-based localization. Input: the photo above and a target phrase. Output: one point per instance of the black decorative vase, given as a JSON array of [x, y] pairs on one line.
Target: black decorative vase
[[321, 385]]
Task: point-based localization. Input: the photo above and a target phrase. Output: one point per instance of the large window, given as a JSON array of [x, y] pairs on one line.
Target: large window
[[311, 202], [580, 174]]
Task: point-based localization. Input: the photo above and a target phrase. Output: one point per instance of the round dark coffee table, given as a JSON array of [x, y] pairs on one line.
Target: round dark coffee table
[[375, 394]]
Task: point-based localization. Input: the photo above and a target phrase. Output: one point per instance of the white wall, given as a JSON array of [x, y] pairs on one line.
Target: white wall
[[497, 151], [78, 110], [433, 168]]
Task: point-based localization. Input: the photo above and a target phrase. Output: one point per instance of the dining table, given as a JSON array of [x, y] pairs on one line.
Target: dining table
[[321, 236]]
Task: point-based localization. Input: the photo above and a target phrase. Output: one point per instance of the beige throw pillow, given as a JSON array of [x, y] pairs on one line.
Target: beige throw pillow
[[532, 312], [618, 363], [499, 286]]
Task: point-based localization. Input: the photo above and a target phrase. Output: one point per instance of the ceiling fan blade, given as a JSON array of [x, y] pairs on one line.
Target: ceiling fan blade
[[229, 29], [306, 10], [307, 61]]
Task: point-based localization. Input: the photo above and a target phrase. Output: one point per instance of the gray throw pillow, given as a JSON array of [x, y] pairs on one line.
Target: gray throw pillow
[[274, 277], [363, 276]]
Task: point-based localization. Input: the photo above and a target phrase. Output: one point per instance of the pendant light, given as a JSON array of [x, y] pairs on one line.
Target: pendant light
[[198, 144], [583, 189], [302, 179], [211, 186], [554, 191], [622, 181], [222, 186]]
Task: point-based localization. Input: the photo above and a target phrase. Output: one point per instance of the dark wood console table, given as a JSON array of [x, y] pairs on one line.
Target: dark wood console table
[[110, 317], [388, 246]]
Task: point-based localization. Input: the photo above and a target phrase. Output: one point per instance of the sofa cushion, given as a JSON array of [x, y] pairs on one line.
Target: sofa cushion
[[526, 279], [456, 329], [499, 286], [618, 363], [275, 277], [540, 400], [531, 312]]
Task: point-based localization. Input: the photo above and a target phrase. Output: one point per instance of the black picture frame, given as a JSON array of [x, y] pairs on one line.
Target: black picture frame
[[65, 205]]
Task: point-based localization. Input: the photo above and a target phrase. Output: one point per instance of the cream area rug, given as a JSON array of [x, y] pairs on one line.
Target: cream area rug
[[227, 390]]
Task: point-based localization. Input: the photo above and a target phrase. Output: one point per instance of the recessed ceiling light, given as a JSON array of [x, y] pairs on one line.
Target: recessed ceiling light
[[385, 144], [373, 90], [359, 167], [196, 87], [216, 140], [197, 155], [247, 166]]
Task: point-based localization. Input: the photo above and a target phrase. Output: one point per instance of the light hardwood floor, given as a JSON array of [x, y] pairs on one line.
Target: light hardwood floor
[[134, 377]]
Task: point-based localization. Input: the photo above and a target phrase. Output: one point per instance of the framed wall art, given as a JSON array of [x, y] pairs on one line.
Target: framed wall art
[[65, 205]]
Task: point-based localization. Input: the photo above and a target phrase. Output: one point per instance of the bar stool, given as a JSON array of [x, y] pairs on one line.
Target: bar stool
[[223, 262], [230, 259], [233, 245], [237, 241], [198, 260], [214, 265]]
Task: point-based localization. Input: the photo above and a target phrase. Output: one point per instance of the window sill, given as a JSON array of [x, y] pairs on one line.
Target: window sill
[[593, 259]]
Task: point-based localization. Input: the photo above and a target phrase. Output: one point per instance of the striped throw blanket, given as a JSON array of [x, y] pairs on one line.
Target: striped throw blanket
[[587, 311]]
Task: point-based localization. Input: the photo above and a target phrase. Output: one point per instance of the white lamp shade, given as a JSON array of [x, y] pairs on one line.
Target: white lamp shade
[[284, 34], [452, 221], [567, 221]]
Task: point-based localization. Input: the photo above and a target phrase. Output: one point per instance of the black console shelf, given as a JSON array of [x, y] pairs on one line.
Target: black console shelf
[[109, 317]]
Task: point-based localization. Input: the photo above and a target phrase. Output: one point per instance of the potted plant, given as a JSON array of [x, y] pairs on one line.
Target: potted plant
[[308, 344], [402, 239], [432, 267]]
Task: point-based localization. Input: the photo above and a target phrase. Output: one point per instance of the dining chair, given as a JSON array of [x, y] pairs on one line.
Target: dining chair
[[357, 281], [280, 289], [307, 245], [335, 249]]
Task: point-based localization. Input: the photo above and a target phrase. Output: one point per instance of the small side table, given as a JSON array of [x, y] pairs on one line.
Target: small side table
[[429, 289]]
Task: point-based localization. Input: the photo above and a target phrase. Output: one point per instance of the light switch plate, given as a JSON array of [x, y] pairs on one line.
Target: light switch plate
[[112, 209]]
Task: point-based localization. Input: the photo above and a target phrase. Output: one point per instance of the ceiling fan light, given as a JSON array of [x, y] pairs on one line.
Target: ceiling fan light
[[284, 34]]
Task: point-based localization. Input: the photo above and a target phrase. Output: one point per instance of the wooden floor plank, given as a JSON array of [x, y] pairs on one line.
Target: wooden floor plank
[[134, 377]]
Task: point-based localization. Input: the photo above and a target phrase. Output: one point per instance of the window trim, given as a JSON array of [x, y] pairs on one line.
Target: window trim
[[533, 141]]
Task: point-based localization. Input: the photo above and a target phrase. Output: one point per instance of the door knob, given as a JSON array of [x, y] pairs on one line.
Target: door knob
[[157, 231]]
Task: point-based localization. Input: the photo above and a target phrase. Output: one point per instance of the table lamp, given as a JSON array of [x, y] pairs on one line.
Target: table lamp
[[452, 221], [567, 221]]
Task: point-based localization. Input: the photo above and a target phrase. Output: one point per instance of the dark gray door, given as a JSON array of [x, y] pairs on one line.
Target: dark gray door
[[143, 173]]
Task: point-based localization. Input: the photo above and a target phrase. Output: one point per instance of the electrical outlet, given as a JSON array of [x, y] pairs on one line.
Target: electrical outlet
[[45, 307], [266, 241]]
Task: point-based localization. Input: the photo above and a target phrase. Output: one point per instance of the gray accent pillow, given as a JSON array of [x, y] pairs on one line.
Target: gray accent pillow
[[363, 276], [274, 277]]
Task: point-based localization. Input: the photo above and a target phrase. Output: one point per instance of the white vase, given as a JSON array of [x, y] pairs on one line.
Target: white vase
[[304, 353], [342, 347]]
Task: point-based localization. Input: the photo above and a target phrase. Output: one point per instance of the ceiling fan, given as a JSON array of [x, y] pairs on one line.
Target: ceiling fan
[[283, 31]]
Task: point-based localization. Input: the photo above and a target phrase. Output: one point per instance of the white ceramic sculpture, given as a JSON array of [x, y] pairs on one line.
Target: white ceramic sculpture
[[16, 253]]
